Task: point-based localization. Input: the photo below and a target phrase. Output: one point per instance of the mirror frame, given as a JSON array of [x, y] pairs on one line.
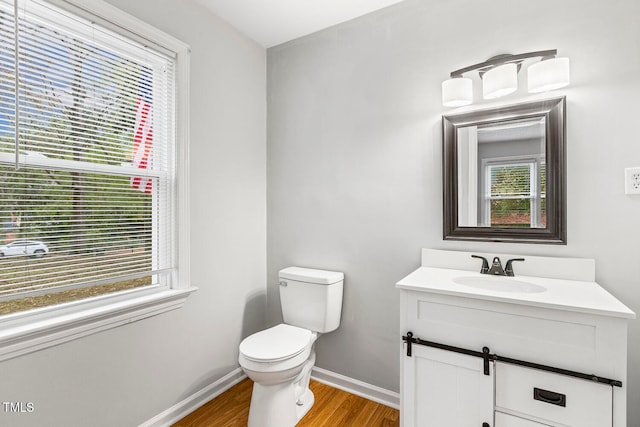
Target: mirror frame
[[553, 111]]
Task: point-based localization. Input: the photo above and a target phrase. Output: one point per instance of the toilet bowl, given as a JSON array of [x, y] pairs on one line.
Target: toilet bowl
[[279, 360]]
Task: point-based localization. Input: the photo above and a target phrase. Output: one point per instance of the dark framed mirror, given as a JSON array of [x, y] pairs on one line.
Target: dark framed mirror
[[504, 173]]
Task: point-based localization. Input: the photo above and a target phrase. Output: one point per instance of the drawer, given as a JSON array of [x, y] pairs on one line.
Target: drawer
[[506, 420], [553, 397]]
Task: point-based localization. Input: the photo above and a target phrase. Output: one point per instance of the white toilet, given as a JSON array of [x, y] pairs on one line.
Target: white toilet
[[279, 359]]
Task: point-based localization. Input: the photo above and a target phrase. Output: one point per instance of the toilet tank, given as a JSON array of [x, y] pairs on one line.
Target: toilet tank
[[311, 299]]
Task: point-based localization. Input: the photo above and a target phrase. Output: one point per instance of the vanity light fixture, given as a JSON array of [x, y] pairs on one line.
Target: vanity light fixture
[[548, 75], [500, 81], [457, 92], [499, 76]]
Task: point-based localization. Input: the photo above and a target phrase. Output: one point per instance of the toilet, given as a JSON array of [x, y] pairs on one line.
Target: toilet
[[279, 359]]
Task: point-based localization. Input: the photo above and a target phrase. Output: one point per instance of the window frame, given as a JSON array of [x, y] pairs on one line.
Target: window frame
[[535, 197], [25, 332]]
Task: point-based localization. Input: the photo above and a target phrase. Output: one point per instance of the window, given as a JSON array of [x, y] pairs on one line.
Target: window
[[92, 162], [515, 193]]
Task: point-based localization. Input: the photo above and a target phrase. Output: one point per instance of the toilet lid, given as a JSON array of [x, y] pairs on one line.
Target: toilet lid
[[277, 343]]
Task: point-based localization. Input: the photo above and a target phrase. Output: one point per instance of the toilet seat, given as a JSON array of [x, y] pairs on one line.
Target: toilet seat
[[275, 344], [277, 349]]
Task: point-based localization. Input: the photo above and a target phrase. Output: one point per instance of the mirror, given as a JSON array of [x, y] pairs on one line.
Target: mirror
[[504, 173]]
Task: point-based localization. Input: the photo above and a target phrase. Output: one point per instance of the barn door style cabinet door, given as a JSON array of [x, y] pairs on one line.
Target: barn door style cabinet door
[[482, 351], [442, 388]]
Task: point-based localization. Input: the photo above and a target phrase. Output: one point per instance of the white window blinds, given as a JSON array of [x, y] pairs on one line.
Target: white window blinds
[[87, 135], [511, 181]]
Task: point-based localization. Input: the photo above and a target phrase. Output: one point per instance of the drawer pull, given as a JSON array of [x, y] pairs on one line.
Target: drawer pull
[[551, 397]]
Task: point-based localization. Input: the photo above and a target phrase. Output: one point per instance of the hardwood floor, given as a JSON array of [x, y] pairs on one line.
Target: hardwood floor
[[332, 408]]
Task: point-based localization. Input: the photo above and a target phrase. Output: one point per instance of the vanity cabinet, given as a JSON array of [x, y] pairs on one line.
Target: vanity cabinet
[[572, 327]]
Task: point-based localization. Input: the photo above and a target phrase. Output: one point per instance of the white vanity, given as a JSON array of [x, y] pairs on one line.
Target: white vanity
[[547, 347]]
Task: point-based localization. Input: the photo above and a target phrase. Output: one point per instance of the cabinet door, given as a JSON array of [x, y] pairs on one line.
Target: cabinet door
[[443, 388]]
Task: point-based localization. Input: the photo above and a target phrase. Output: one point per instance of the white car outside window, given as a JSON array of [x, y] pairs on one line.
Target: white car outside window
[[24, 247]]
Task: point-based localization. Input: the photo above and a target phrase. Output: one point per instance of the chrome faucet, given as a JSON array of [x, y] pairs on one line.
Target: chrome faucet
[[496, 266]]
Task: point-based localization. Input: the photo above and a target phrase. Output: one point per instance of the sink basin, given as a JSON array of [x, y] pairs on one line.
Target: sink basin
[[499, 284]]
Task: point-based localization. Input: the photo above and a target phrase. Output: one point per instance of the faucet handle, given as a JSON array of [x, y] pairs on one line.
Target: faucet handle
[[509, 268], [485, 264]]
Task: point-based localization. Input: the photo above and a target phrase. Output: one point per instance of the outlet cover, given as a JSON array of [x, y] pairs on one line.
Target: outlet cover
[[632, 181]]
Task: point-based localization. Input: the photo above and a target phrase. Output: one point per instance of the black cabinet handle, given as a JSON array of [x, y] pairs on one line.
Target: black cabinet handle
[[485, 425], [550, 397]]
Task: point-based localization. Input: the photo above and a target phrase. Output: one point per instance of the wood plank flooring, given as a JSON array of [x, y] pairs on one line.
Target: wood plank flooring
[[332, 408]]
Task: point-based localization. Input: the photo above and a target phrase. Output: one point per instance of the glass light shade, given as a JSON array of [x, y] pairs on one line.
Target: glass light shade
[[457, 92], [500, 81], [547, 75]]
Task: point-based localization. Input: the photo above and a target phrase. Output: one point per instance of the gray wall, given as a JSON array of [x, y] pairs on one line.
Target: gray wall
[[354, 154], [127, 375], [520, 147]]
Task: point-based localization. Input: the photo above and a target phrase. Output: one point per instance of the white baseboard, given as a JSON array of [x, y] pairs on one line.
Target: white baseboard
[[196, 400], [357, 387]]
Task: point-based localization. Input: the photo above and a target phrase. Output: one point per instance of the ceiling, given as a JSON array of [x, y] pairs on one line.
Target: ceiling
[[272, 22]]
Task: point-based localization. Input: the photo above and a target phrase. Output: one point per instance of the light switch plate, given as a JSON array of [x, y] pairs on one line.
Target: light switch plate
[[632, 181]]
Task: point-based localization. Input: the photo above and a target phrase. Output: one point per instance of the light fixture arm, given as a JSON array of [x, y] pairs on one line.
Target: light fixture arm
[[504, 59]]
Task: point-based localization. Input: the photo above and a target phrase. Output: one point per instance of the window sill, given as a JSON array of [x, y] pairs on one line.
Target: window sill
[[32, 332]]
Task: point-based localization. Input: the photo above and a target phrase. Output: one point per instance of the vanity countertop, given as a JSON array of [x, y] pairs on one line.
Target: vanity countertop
[[559, 294]]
